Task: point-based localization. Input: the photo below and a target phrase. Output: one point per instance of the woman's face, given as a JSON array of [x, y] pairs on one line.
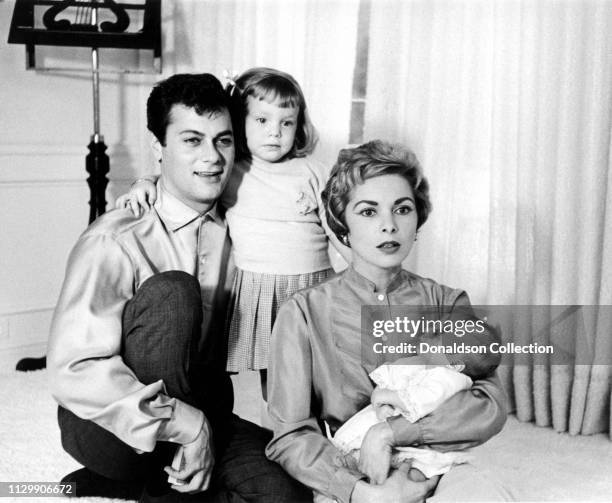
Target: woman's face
[[382, 221]]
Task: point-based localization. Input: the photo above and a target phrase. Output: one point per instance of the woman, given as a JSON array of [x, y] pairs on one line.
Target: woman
[[376, 200]]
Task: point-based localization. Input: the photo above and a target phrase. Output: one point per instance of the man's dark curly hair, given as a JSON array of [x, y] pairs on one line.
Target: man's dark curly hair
[[202, 92]]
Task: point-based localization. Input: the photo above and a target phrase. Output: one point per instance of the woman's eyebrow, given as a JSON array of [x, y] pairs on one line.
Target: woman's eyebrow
[[365, 201], [402, 199]]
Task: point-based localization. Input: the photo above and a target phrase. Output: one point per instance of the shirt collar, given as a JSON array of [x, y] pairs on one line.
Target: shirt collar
[[361, 281], [176, 214]]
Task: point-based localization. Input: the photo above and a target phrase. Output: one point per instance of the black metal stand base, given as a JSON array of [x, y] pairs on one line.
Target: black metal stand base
[[97, 165], [27, 364]]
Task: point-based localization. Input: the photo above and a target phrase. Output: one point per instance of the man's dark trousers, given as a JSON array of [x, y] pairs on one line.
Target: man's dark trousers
[[162, 339]]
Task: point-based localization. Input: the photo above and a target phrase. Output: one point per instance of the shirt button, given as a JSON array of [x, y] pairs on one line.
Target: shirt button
[[381, 297], [202, 260]]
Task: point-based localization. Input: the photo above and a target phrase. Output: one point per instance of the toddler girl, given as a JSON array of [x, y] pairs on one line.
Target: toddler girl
[[274, 211]]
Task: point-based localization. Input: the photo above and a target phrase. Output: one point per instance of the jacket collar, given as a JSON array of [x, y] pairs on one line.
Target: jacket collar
[[354, 277]]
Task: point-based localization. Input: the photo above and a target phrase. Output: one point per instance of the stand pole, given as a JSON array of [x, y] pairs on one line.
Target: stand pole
[[96, 163]]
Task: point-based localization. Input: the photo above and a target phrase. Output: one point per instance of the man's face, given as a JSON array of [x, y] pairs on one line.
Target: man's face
[[197, 156]]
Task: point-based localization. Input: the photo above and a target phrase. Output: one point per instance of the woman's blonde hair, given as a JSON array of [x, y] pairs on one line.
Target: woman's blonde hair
[[356, 165]]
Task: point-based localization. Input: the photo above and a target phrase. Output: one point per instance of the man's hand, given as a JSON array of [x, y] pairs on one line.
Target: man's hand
[[398, 488], [375, 455], [198, 459]]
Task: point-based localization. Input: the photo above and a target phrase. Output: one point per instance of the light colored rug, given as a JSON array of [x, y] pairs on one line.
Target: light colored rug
[[539, 464]]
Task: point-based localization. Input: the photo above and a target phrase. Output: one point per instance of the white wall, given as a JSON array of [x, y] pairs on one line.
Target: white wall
[[45, 126]]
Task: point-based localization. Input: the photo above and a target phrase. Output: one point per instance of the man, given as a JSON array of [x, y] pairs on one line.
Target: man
[[136, 353]]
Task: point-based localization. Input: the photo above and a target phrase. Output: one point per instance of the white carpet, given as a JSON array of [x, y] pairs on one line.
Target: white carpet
[[29, 435], [539, 464]]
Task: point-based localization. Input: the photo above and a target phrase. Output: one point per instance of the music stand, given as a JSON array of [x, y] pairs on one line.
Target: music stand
[[134, 24]]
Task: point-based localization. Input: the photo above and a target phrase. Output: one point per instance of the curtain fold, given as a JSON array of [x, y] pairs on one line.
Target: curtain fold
[[508, 104]]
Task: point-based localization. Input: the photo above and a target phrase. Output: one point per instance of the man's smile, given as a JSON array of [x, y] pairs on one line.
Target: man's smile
[[209, 174]]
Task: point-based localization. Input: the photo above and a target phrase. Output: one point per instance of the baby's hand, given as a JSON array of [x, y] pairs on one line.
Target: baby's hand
[[142, 195], [385, 402], [384, 411]]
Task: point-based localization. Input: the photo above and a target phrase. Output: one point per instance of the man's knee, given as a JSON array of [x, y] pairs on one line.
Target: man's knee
[[162, 326], [174, 291]]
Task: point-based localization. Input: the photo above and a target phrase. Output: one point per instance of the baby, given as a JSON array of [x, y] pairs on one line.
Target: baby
[[412, 391]]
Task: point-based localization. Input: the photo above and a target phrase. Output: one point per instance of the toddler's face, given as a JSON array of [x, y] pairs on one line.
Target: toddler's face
[[270, 129]]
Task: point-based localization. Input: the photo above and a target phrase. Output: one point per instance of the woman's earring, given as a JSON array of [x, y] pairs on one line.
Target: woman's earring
[[345, 240], [416, 236]]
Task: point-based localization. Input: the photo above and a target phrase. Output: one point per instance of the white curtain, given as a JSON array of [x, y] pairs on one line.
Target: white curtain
[[508, 104], [313, 40]]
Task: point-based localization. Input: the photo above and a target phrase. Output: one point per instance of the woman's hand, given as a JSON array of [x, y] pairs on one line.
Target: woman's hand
[[375, 456], [398, 488], [142, 195]]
